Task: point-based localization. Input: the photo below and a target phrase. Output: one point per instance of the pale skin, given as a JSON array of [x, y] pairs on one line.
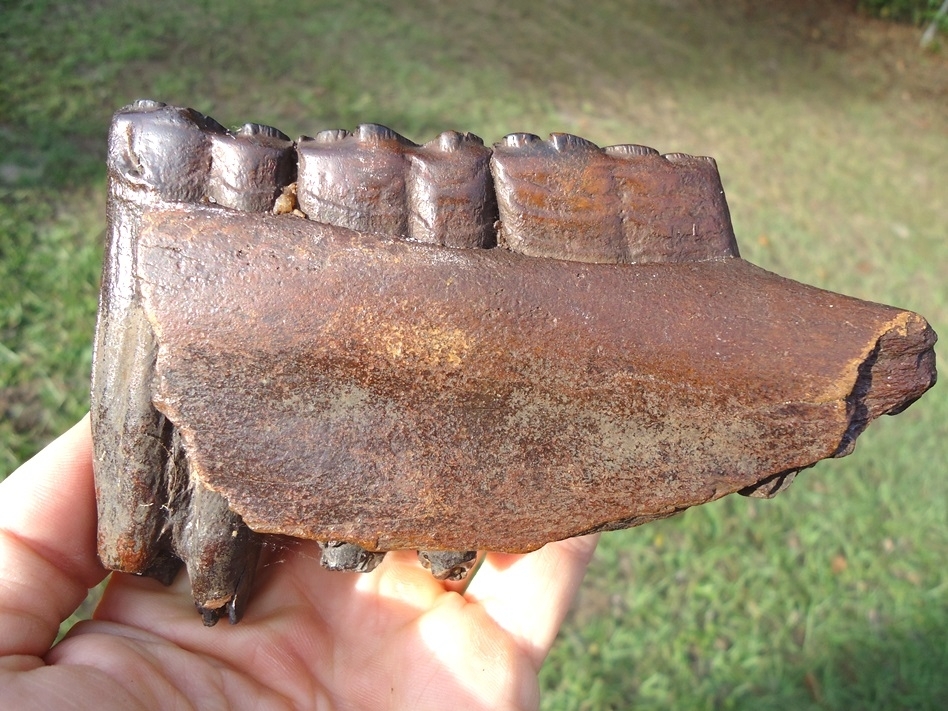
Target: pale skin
[[310, 639]]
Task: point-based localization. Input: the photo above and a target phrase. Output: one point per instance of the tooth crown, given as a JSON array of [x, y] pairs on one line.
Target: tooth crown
[[162, 151], [355, 180], [379, 182], [564, 197], [179, 155], [567, 198], [249, 167]]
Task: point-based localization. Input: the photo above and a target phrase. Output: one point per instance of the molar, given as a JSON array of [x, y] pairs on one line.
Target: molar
[[249, 168]]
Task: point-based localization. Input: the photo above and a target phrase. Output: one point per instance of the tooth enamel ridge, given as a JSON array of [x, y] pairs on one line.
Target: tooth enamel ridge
[[330, 135], [257, 129], [379, 182], [567, 199], [630, 149]]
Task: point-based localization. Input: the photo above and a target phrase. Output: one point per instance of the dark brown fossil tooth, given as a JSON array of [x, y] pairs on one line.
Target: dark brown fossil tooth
[[569, 142], [450, 197], [448, 565], [558, 199], [259, 129], [152, 514], [330, 135], [621, 204], [374, 391], [250, 168], [156, 153], [355, 181], [518, 140], [348, 557], [377, 181], [144, 105], [220, 552], [673, 210], [453, 140], [373, 133]]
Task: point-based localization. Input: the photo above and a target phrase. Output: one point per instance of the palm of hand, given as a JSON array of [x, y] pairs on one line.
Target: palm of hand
[[393, 639]]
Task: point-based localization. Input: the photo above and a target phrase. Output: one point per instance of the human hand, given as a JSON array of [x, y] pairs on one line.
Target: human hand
[[310, 639]]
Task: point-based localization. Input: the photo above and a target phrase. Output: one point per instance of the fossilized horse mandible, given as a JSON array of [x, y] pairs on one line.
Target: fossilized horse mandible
[[378, 345]]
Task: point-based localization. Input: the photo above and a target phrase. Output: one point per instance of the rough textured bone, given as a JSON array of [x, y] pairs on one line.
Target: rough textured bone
[[611, 363], [480, 399]]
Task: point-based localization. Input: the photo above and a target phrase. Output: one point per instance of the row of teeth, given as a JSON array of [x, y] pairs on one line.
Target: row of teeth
[[564, 197]]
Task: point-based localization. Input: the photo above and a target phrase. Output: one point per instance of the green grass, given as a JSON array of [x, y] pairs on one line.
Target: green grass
[[831, 136]]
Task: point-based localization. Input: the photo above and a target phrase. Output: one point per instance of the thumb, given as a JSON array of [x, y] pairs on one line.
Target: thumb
[[47, 542]]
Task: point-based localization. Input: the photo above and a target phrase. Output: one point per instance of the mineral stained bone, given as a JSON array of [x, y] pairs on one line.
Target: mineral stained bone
[[460, 349]]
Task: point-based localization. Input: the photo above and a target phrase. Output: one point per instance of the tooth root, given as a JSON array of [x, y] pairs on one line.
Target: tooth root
[[557, 199], [174, 489], [148, 518], [209, 616], [164, 567], [356, 181], [448, 565], [250, 168], [451, 198], [220, 553], [348, 557], [156, 153]]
